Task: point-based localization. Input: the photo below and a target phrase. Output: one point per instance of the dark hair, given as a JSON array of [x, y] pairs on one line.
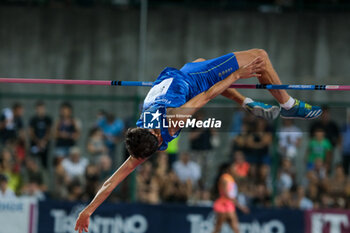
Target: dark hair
[[110, 117], [66, 105], [17, 105], [93, 130], [75, 183], [223, 168], [319, 129], [140, 143]]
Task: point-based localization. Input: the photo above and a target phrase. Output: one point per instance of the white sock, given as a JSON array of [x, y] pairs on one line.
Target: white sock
[[289, 104], [247, 101]]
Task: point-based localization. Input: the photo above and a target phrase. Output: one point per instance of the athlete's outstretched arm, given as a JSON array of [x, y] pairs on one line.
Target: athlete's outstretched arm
[[109, 185], [252, 69]]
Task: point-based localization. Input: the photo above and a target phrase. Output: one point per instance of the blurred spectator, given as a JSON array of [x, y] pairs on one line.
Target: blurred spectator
[[61, 181], [261, 196], [6, 125], [32, 189], [258, 143], [74, 165], [326, 201], [284, 200], [175, 191], [185, 169], [285, 176], [202, 142], [319, 148], [96, 145], [20, 153], [112, 128], [161, 171], [237, 122], [10, 169], [40, 133], [105, 168], [92, 182], [67, 130], [241, 166], [264, 176], [147, 185], [314, 184], [289, 137], [346, 147], [240, 141], [5, 191], [244, 195], [319, 169], [11, 123], [314, 194], [203, 199], [18, 112], [330, 127], [75, 191], [32, 172], [337, 183], [162, 167], [309, 179], [302, 202]]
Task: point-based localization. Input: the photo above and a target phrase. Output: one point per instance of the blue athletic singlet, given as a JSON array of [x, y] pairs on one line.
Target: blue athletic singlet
[[173, 88]]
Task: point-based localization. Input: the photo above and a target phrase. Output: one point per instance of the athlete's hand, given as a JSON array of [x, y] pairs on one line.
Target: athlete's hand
[[82, 223], [251, 69]]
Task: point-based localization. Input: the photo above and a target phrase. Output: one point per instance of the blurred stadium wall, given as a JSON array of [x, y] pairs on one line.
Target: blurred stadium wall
[[93, 43]]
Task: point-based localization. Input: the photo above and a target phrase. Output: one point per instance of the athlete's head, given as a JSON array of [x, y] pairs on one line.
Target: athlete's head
[[140, 143]]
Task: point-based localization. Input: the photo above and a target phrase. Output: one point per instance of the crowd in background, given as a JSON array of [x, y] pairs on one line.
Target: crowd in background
[[41, 159]]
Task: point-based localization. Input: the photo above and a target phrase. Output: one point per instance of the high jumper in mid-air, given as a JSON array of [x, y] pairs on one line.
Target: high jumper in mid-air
[[180, 93]]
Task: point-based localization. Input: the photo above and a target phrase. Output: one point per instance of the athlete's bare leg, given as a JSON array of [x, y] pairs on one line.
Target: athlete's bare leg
[[268, 76], [243, 58], [220, 219], [290, 108], [268, 112], [234, 95], [233, 221]]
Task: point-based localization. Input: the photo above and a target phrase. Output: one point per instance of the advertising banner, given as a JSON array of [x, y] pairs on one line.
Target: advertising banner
[[59, 217], [18, 216], [327, 221]]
